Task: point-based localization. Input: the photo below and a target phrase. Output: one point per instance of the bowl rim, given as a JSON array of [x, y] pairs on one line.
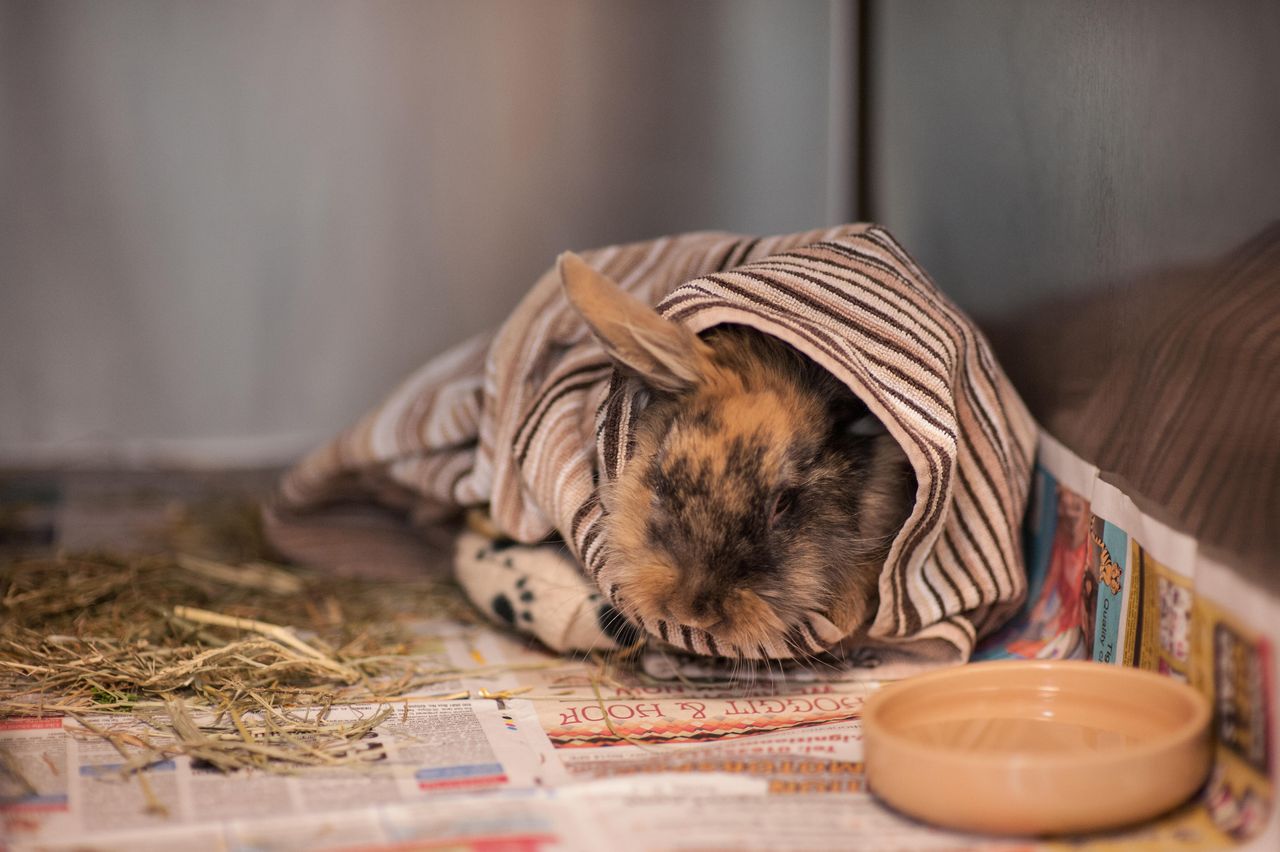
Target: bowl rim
[[1028, 671]]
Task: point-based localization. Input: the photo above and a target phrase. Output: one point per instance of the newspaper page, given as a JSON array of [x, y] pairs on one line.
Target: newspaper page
[[64, 784], [533, 752]]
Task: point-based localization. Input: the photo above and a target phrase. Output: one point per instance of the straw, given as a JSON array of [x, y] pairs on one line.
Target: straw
[[233, 663]]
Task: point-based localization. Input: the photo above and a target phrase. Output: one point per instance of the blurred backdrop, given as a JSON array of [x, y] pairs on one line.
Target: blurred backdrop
[[226, 229], [229, 227]]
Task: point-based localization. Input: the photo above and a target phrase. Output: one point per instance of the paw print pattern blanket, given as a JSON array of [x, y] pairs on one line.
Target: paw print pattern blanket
[[530, 420]]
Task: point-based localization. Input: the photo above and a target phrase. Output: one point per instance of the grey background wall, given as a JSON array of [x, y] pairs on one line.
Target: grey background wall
[[1099, 183], [1025, 150], [228, 228]]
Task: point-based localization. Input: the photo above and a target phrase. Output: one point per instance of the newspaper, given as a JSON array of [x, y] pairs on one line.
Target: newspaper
[[561, 754]]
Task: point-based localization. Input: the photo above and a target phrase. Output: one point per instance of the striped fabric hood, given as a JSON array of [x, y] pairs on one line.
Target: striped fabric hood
[[531, 420]]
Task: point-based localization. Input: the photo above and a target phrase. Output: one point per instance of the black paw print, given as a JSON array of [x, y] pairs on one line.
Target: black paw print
[[495, 547], [505, 608]]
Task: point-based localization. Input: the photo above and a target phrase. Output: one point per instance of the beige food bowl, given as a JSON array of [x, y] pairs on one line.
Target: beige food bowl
[[1037, 747]]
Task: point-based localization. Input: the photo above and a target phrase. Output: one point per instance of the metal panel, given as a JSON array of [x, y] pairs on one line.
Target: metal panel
[[1096, 182], [229, 228]]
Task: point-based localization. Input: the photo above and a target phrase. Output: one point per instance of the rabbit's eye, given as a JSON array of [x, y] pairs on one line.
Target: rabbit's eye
[[866, 426], [783, 502]]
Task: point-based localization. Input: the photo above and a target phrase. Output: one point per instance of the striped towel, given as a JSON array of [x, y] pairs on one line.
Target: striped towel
[[531, 419]]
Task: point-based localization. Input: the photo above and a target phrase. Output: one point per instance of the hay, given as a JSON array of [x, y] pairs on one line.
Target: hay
[[235, 664]]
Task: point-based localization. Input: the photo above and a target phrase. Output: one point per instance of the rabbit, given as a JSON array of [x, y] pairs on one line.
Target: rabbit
[[759, 486]]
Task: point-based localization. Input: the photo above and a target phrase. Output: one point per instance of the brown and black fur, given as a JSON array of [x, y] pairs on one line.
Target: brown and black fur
[[749, 498], [749, 502]]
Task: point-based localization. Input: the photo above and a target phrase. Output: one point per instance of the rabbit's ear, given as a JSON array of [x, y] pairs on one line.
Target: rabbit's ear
[[666, 355]]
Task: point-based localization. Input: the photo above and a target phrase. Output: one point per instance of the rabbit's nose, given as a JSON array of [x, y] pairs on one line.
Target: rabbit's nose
[[705, 610]]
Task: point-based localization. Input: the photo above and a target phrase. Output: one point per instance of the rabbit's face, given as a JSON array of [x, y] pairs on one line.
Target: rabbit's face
[[754, 493], [748, 502]]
